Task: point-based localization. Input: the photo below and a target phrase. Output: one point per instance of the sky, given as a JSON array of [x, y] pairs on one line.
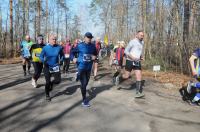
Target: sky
[[78, 7]]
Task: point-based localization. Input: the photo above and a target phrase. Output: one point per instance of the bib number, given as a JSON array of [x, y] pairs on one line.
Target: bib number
[[54, 69], [115, 62], [87, 57], [136, 63], [37, 55], [26, 53], [66, 55]]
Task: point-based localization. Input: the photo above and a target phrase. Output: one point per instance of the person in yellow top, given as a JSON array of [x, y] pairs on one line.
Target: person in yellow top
[[35, 51]]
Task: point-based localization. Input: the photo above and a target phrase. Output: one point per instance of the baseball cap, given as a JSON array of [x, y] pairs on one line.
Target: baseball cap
[[88, 35]]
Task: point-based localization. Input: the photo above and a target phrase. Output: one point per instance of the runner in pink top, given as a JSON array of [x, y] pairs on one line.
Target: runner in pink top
[[66, 49], [95, 64]]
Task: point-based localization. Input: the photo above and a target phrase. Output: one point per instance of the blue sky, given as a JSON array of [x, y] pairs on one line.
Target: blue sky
[[78, 7]]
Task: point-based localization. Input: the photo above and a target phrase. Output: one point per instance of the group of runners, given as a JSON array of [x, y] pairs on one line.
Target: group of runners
[[48, 57]]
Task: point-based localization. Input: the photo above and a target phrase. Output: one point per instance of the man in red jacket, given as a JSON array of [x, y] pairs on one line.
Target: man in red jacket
[[66, 49]]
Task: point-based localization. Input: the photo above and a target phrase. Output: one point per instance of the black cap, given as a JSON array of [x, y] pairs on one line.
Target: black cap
[[88, 35]]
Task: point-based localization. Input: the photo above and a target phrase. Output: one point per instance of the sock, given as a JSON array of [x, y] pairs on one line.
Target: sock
[[24, 68]]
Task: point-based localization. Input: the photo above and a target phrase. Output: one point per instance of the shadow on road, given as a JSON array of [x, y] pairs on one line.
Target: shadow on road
[[68, 91], [99, 76], [94, 91], [16, 82], [132, 86]]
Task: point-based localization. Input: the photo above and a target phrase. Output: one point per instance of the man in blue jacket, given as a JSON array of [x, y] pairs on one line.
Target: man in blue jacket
[[51, 56], [86, 55]]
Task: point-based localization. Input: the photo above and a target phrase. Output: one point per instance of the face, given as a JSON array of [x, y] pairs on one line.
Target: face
[[98, 40], [53, 40], [61, 43], [28, 38], [40, 40], [140, 36], [68, 41], [88, 40], [76, 41]]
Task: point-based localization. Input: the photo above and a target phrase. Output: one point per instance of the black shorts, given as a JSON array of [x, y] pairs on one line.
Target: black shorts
[[129, 66], [26, 58]]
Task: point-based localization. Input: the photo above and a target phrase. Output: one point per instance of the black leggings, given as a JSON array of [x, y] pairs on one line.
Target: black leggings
[[66, 64], [38, 69], [49, 83], [84, 76]]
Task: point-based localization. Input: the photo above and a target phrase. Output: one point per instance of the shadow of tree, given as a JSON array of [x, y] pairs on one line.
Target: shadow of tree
[[132, 86], [94, 91], [68, 91], [44, 123], [16, 82], [99, 76], [19, 113]]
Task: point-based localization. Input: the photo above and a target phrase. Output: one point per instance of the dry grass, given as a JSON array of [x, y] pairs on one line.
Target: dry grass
[[176, 79], [10, 61]]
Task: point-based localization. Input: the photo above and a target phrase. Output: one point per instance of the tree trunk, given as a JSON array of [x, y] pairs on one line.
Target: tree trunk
[[46, 23], [11, 28], [186, 34], [38, 16], [24, 18]]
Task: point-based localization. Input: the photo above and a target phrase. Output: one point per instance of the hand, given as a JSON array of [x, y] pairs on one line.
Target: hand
[[194, 73], [93, 57], [142, 59], [74, 60], [61, 62]]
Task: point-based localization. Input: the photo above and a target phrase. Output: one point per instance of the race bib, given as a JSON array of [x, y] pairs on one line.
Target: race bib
[[136, 63], [29, 47], [37, 54], [26, 53], [54, 69], [66, 55], [115, 62], [87, 57]]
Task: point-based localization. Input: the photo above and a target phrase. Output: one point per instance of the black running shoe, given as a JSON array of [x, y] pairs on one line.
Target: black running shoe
[[48, 98]]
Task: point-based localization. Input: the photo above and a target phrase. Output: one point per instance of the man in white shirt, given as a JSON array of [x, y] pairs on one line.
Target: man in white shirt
[[133, 53]]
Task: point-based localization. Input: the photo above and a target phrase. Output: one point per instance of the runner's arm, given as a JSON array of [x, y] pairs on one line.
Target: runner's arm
[[42, 55], [73, 52], [128, 49], [20, 47], [114, 54], [61, 54], [94, 56]]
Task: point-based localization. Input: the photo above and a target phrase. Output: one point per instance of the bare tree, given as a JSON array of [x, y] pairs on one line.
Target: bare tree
[[11, 28]]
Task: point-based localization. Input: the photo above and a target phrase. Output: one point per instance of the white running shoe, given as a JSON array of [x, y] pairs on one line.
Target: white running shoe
[[189, 87], [34, 83]]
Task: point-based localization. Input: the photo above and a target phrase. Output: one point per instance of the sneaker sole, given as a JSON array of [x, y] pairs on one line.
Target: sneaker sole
[[188, 89], [117, 81], [139, 96]]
